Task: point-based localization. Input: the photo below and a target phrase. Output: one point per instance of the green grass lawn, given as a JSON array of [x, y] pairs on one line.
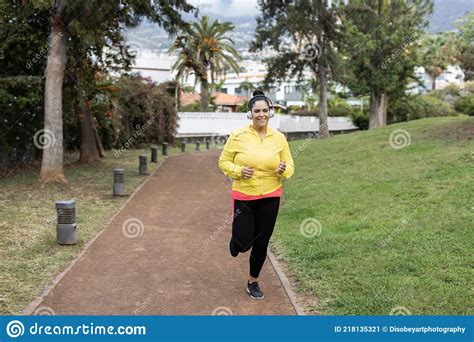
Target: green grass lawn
[[397, 227], [29, 254]]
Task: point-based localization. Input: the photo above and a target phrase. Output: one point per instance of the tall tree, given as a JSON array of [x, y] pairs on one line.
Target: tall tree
[[302, 33], [92, 54], [53, 154], [89, 15], [465, 45], [205, 50], [381, 51]]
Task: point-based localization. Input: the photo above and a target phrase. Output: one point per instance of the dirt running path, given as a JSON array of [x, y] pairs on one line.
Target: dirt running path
[[180, 264]]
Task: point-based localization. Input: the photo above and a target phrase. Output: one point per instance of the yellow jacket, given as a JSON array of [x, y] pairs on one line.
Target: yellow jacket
[[244, 147]]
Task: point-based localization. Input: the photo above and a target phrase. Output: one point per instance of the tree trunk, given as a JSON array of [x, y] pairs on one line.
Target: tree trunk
[[323, 101], [433, 83], [90, 142], [53, 154], [116, 143], [204, 96], [89, 151], [378, 110], [385, 108], [98, 141]]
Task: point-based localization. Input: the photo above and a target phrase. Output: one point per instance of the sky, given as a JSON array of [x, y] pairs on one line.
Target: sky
[[446, 11], [227, 8], [243, 13], [237, 8]]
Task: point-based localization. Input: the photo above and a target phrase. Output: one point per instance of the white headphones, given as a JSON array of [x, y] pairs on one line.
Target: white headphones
[[271, 111]]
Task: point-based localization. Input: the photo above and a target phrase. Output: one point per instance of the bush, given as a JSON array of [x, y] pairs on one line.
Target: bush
[[452, 89], [338, 106], [242, 108], [448, 94], [469, 87], [340, 109], [360, 119], [412, 107], [145, 112], [294, 109], [465, 105], [193, 107], [21, 112], [305, 113]]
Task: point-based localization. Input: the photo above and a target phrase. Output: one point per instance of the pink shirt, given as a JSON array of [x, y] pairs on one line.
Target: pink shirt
[[237, 195], [234, 194]]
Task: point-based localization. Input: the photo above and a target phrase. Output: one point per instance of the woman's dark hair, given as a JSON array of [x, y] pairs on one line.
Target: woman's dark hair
[[258, 95]]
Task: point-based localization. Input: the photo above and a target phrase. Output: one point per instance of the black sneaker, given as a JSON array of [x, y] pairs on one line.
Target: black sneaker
[[254, 290], [234, 252]]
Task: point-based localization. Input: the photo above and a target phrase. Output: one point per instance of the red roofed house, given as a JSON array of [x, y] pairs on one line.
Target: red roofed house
[[223, 101]]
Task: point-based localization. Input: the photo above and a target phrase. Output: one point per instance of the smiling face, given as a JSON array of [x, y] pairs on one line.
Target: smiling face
[[260, 114]]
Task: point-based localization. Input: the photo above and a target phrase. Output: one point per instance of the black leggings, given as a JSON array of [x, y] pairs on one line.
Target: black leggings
[[252, 226]]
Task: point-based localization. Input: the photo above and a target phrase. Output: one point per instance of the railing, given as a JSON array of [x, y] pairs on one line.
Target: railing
[[220, 123]]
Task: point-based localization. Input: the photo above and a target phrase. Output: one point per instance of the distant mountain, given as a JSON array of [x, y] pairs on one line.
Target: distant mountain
[[150, 37], [445, 12]]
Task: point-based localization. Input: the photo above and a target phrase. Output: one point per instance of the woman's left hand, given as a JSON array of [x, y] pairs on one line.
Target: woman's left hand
[[281, 167]]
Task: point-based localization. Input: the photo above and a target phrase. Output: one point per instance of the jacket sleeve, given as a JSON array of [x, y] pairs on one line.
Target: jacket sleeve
[[285, 155], [226, 160]]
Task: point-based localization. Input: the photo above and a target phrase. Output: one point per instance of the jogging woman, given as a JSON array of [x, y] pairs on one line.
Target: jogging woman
[[257, 158]]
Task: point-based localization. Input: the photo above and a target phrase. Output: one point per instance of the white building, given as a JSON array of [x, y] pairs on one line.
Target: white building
[[153, 65], [158, 67], [452, 75], [287, 93]]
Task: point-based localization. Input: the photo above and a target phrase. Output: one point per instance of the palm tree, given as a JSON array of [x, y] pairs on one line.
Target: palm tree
[[438, 53], [205, 50], [247, 87]]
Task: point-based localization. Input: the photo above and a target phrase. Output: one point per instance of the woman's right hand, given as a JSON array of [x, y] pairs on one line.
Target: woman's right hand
[[247, 172]]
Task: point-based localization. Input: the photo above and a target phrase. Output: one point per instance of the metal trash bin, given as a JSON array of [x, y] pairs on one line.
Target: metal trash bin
[[197, 145], [66, 228], [183, 146], [119, 182], [207, 144]]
